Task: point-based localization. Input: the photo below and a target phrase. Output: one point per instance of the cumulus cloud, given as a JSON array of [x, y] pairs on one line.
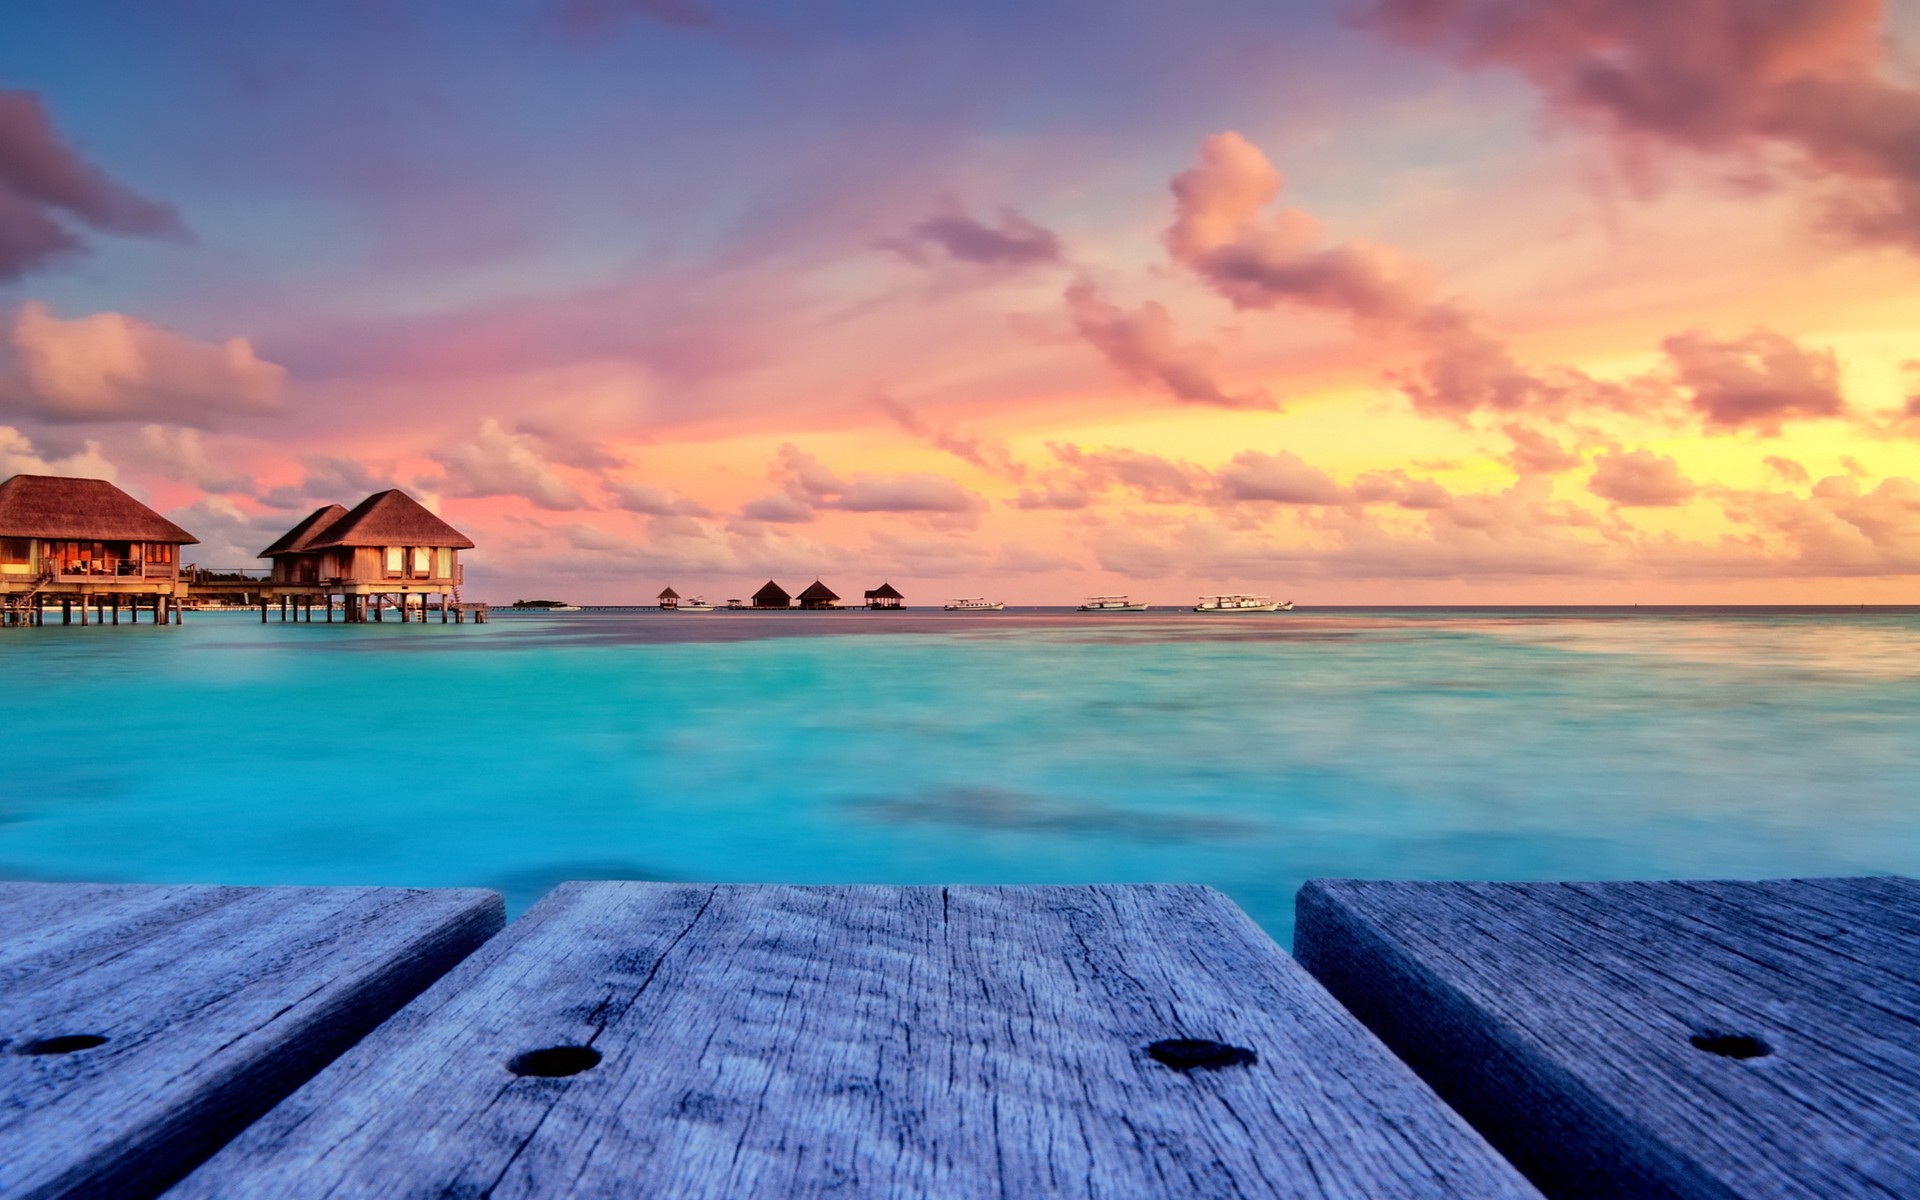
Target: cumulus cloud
[[1535, 453], [989, 454], [1014, 241], [1401, 490], [779, 508], [19, 456], [1157, 479], [330, 479], [501, 463], [1786, 468], [181, 454], [1144, 345], [1708, 75], [1062, 497], [1223, 232], [1220, 233], [1639, 479], [654, 501], [1839, 529], [808, 485], [1282, 478], [1756, 381], [44, 185], [113, 367]]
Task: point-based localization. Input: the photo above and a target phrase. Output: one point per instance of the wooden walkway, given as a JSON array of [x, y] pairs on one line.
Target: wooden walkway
[[637, 1039]]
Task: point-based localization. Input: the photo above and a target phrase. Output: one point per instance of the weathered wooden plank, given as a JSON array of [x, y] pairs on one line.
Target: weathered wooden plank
[[1675, 1039], [866, 1041], [141, 1026]]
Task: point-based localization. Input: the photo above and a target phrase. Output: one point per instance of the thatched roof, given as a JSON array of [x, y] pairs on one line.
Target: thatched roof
[[669, 594], [303, 535], [885, 591], [82, 510], [390, 518], [772, 596], [817, 591]]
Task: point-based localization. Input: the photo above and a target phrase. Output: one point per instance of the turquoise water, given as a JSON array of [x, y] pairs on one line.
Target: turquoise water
[[1246, 752]]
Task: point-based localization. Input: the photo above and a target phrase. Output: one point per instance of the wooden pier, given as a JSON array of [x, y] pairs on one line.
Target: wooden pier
[[637, 1039]]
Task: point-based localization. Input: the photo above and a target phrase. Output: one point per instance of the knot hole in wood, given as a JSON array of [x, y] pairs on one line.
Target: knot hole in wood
[[1187, 1054], [65, 1043], [1731, 1045], [555, 1062]]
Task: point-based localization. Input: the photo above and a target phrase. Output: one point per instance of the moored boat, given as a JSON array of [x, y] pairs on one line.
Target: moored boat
[[697, 604], [1112, 604], [974, 604], [1241, 602]]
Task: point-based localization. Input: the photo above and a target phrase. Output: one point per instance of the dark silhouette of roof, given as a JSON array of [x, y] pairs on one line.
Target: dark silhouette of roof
[[885, 591], [93, 510], [390, 518], [816, 592], [669, 594], [297, 539], [771, 596]]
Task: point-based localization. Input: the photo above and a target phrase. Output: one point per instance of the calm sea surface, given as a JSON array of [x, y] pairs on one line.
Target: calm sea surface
[[1246, 752]]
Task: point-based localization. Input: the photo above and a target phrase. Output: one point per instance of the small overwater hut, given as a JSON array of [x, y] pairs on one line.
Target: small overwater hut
[[885, 596], [388, 549], [85, 543], [772, 596], [818, 596], [669, 599]]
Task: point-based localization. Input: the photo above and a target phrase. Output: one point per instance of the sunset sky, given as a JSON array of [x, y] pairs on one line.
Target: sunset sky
[[1399, 301]]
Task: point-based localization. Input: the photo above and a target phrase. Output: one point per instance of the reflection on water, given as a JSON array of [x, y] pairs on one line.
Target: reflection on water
[[1245, 752]]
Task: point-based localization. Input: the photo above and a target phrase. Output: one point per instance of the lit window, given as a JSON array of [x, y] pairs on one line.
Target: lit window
[[422, 561], [396, 560]]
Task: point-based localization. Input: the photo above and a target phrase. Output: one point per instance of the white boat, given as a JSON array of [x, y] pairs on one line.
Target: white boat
[[697, 604], [1111, 604], [974, 604], [1241, 602]]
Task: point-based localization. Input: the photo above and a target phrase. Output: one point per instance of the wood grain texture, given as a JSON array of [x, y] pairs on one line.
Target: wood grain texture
[[216, 1002], [866, 1041], [1560, 1018]]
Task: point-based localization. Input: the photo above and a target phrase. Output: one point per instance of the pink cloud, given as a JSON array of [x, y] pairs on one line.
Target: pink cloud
[[1639, 479], [810, 486], [1144, 345], [1535, 453], [1013, 241], [42, 179], [497, 462], [1756, 381], [1220, 233], [114, 367], [1709, 75], [1282, 478]]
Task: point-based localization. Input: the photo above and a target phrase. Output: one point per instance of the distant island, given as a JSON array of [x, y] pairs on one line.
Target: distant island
[[541, 604]]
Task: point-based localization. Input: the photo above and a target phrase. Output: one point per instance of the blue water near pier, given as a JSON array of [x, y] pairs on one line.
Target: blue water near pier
[[1245, 752]]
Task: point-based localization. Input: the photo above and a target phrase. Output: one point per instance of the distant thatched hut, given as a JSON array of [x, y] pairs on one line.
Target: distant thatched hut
[[387, 548], [772, 596], [818, 595], [85, 540], [669, 599], [885, 596]]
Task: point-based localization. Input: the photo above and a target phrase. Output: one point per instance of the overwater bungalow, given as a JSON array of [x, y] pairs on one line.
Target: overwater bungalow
[[885, 596], [669, 599], [772, 596], [818, 596], [85, 542], [387, 550]]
